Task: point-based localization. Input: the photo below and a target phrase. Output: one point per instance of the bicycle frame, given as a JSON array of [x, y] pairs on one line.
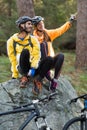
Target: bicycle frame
[[82, 119], [34, 112], [30, 117]]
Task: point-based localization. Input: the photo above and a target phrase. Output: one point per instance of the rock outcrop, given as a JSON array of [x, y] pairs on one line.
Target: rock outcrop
[[58, 111]]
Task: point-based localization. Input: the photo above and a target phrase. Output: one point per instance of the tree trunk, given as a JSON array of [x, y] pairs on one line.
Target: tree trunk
[[81, 43], [9, 7], [25, 7]]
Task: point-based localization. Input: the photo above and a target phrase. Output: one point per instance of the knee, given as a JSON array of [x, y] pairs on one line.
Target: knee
[[61, 56], [50, 60]]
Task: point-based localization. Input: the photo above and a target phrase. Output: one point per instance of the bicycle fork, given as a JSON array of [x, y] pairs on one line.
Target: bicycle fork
[[29, 118], [83, 122], [42, 123], [84, 116], [86, 121]]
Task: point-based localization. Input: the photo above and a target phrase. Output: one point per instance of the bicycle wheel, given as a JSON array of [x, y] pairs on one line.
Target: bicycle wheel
[[77, 123], [45, 128]]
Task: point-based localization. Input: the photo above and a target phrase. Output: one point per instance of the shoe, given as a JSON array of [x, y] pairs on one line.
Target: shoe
[[23, 82], [54, 85], [37, 87]]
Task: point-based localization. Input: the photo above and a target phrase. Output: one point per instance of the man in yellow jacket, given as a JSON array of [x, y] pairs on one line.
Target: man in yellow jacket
[[23, 50], [45, 38]]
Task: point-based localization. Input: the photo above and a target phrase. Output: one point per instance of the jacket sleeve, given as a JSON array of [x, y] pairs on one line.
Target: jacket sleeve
[[54, 33], [36, 54], [12, 57]]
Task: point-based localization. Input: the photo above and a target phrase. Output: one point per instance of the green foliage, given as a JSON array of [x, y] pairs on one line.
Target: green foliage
[[8, 15], [7, 26], [78, 78], [5, 73], [55, 12]]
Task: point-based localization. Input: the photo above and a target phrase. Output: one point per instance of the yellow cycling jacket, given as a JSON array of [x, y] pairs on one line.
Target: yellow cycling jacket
[[14, 58], [53, 34]]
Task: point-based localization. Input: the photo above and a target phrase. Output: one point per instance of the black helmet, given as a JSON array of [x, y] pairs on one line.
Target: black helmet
[[37, 19], [22, 20]]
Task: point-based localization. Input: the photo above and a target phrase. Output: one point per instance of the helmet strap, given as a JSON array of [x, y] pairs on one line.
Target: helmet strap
[[23, 29]]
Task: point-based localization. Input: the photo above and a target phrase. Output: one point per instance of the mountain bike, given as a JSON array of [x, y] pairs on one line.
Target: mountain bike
[[81, 121], [34, 112]]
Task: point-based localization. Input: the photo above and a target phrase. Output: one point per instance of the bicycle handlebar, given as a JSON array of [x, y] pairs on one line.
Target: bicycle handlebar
[[75, 99], [49, 97], [46, 98]]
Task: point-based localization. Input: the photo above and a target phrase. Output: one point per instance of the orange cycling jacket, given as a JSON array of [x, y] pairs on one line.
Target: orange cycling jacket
[[53, 34]]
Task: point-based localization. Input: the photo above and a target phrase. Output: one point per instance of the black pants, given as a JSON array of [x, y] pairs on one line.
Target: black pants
[[45, 65], [24, 62], [57, 64]]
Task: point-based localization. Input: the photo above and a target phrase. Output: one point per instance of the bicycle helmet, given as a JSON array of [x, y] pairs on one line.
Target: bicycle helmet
[[22, 20], [37, 19]]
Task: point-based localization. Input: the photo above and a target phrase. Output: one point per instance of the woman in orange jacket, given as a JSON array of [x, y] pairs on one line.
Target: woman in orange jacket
[[46, 37]]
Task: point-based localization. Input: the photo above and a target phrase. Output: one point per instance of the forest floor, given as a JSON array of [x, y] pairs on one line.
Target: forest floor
[[78, 78]]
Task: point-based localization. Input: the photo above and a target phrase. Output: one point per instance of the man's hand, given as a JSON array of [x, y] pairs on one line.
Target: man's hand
[[31, 72]]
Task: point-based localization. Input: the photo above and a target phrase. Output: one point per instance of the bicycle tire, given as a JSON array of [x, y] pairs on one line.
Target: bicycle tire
[[44, 128], [73, 120]]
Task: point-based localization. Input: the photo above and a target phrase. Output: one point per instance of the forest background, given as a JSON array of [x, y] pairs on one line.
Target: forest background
[[55, 13]]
